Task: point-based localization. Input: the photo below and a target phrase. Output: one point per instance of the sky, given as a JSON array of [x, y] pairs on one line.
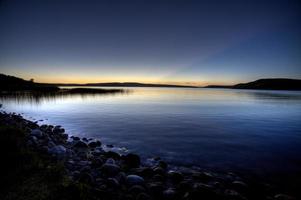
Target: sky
[[169, 41]]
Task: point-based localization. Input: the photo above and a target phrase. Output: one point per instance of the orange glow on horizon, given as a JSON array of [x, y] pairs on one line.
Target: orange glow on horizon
[[75, 79]]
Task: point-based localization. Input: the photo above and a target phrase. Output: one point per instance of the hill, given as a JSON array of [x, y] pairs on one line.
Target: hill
[[11, 83], [266, 84]]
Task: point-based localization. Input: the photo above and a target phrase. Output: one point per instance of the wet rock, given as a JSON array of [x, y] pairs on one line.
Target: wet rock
[[97, 162], [136, 189], [58, 130], [58, 150], [283, 197], [80, 144], [175, 177], [202, 176], [109, 146], [156, 189], [110, 161], [94, 144], [143, 196], [132, 160], [162, 164], [75, 138], [37, 133], [110, 169], [86, 177], [203, 190], [239, 186], [170, 193], [145, 172], [134, 180], [184, 186], [159, 170], [85, 139], [233, 195], [113, 183], [121, 177], [158, 178], [112, 154], [64, 136]]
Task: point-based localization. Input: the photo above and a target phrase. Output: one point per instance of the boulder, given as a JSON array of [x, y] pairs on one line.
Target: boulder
[[58, 150], [37, 133], [80, 144], [134, 180], [132, 160], [110, 169], [94, 144], [175, 177]]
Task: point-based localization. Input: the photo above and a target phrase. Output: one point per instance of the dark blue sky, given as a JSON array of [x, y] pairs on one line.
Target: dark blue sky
[[187, 42]]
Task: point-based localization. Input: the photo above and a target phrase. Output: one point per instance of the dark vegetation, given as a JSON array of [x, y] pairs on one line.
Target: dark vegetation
[[266, 84], [11, 83], [29, 174]]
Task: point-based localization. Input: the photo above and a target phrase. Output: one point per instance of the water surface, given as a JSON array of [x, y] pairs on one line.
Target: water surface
[[251, 130]]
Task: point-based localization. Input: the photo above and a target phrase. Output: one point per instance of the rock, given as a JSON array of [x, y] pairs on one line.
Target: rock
[[64, 136], [162, 164], [159, 170], [158, 178], [136, 189], [112, 154], [184, 185], [134, 180], [110, 161], [145, 172], [85, 139], [113, 183], [58, 130], [283, 197], [156, 189], [203, 190], [132, 160], [170, 193], [121, 177], [239, 186], [37, 133], [58, 150], [175, 177], [202, 176], [110, 169], [80, 144], [109, 146], [97, 162], [233, 195], [86, 177], [143, 196], [75, 138], [94, 144]]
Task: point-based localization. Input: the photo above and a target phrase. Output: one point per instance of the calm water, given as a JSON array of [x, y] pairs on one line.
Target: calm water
[[258, 131]]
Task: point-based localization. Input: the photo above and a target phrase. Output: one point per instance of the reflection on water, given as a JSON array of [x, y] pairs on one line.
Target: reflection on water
[[39, 97], [252, 130]]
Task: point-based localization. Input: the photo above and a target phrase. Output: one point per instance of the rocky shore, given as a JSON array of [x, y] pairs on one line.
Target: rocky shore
[[105, 174]]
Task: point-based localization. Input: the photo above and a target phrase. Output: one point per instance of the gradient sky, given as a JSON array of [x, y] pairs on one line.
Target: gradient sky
[[168, 41]]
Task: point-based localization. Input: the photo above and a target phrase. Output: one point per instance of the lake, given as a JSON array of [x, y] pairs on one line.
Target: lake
[[247, 130]]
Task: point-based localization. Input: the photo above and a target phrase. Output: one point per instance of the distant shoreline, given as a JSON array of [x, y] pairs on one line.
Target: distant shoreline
[[11, 83]]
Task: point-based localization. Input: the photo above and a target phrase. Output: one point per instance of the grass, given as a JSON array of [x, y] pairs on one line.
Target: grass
[[29, 175]]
